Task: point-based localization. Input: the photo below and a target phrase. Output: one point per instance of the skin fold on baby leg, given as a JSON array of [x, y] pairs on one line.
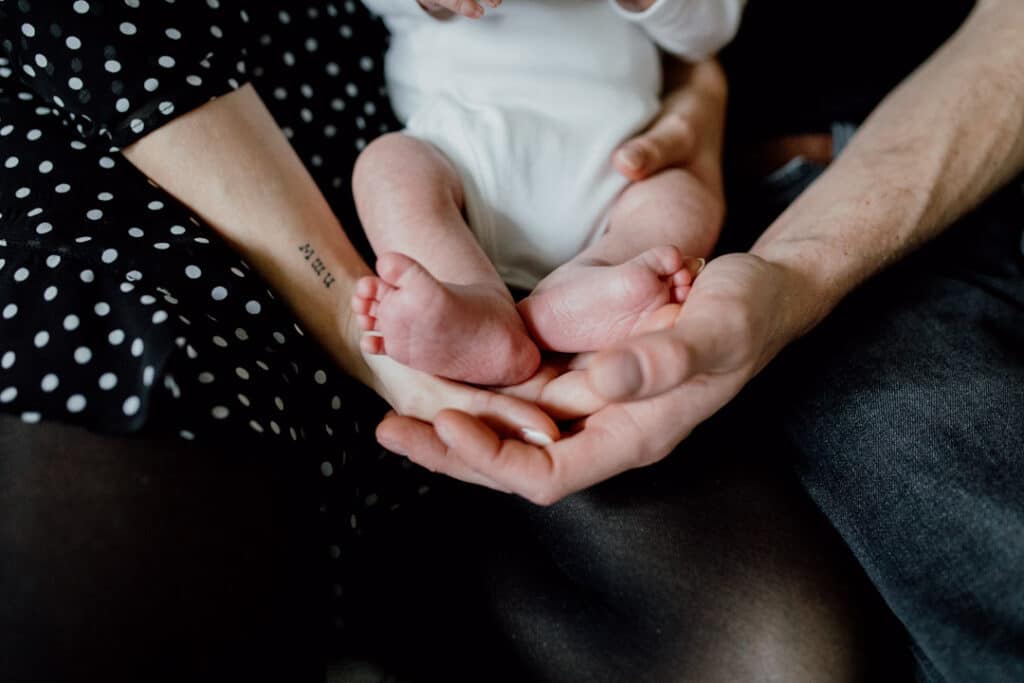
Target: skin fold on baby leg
[[437, 304]]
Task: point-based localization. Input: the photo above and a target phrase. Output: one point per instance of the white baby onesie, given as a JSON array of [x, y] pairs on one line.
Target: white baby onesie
[[529, 102]]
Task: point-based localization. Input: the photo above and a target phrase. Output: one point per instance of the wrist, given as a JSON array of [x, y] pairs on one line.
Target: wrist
[[809, 290]]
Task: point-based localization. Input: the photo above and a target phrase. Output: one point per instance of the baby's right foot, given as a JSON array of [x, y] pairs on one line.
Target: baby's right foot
[[469, 333]]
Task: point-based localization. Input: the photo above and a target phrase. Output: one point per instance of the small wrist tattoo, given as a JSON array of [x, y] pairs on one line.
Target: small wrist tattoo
[[309, 253]]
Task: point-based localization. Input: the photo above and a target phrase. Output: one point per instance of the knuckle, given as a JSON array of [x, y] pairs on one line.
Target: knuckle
[[679, 125], [667, 365], [544, 496]]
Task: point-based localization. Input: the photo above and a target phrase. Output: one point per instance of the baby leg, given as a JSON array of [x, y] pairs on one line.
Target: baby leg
[[455, 320], [637, 266]]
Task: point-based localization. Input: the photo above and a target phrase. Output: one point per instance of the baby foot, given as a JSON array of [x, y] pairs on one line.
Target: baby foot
[[586, 306], [469, 333], [471, 9]]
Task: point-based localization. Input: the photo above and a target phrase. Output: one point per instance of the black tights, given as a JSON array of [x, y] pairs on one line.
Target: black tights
[[138, 559], [142, 559]]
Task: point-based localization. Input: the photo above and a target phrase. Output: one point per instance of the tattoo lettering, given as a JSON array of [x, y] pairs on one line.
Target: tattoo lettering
[[318, 266]]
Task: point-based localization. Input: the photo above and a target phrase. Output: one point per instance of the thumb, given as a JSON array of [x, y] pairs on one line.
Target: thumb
[[650, 364], [669, 142]]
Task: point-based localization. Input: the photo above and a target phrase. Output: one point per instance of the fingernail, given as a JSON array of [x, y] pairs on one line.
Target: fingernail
[[633, 157], [535, 437]]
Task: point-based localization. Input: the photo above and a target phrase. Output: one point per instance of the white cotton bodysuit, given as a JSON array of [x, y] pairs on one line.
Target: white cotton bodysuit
[[529, 102]]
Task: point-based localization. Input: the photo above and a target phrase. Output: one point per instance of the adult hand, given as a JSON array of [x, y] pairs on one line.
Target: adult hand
[[688, 132], [418, 395], [271, 210], [734, 321]]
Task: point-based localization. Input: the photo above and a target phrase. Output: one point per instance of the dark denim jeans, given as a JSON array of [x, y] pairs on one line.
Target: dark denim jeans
[[905, 411]]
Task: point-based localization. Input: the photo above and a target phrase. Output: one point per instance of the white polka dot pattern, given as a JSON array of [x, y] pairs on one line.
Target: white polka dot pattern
[[119, 309]]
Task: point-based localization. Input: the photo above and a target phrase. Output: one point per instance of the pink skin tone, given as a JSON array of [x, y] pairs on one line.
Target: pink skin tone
[[435, 288], [420, 312], [474, 10]]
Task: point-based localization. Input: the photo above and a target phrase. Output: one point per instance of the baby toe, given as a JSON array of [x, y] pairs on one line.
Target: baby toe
[[372, 344], [664, 260], [366, 322]]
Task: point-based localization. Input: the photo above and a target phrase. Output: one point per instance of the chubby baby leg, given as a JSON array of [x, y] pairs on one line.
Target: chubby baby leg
[[658, 230], [436, 303]]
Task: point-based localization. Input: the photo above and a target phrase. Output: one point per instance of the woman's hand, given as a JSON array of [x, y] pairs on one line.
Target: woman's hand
[[231, 164], [687, 134], [419, 396]]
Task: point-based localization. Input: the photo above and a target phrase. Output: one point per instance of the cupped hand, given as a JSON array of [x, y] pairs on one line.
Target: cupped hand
[[662, 384], [615, 436], [417, 395]]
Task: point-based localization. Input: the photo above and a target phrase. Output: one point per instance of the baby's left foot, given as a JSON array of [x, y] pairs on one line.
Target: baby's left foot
[[585, 306]]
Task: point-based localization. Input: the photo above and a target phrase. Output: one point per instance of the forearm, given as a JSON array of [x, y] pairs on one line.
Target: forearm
[[936, 147], [229, 162]]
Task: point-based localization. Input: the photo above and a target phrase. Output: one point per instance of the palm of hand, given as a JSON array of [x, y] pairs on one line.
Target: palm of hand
[[700, 357]]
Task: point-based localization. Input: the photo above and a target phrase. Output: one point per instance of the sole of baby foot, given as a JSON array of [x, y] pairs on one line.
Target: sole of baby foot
[[587, 306], [469, 333]]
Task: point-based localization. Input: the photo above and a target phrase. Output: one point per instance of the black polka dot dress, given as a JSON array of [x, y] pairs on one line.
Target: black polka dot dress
[[120, 310]]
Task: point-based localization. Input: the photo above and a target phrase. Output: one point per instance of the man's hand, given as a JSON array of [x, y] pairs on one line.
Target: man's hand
[[688, 132], [471, 9], [669, 380]]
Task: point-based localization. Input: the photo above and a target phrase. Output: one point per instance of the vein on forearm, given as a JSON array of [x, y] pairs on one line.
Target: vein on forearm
[[942, 142]]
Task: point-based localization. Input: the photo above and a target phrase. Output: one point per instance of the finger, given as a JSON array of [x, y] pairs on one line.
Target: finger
[[418, 441], [541, 475], [650, 364], [661, 319], [581, 360], [521, 468], [669, 142], [513, 417], [561, 392], [467, 8], [422, 395], [570, 396], [530, 390]]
